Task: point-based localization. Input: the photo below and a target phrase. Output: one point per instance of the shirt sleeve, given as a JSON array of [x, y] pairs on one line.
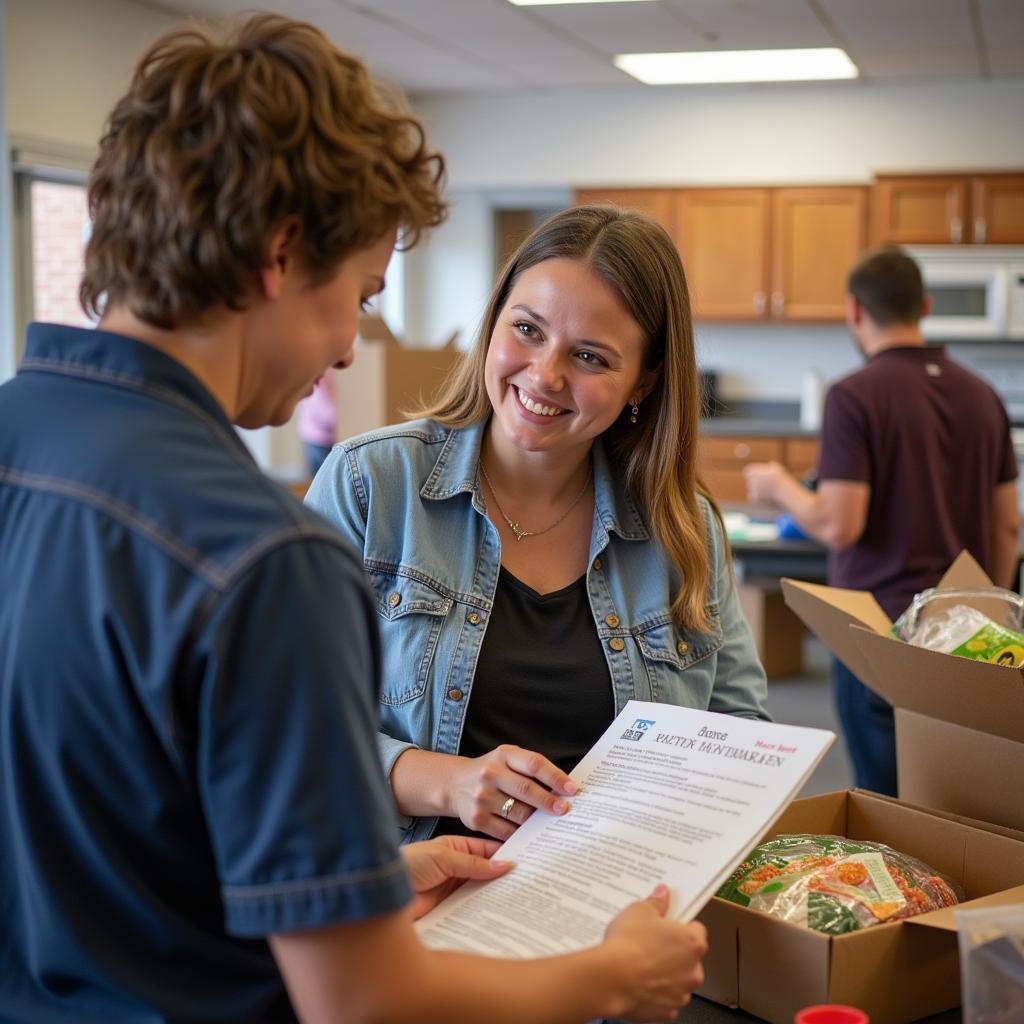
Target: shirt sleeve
[[740, 685], [845, 438], [1008, 457], [338, 494], [299, 814]]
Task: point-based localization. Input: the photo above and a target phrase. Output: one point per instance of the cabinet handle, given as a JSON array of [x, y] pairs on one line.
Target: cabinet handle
[[760, 302], [956, 230], [741, 451], [778, 303], [980, 229]]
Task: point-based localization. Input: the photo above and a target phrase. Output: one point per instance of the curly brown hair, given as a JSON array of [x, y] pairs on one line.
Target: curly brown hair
[[217, 144]]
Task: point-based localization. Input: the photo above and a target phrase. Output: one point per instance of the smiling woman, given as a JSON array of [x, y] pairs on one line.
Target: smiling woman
[[541, 547]]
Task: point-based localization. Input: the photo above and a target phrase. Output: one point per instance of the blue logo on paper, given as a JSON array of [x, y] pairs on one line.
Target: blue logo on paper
[[637, 730]]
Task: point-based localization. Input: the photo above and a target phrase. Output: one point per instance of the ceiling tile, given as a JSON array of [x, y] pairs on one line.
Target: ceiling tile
[[438, 46]]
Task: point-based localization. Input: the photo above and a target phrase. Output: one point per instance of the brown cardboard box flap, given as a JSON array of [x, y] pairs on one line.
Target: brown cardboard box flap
[[972, 785], [373, 328], [976, 694], [829, 612], [964, 572], [945, 920]]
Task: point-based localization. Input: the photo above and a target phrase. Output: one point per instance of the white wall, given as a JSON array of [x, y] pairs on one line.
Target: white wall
[[68, 61], [838, 133]]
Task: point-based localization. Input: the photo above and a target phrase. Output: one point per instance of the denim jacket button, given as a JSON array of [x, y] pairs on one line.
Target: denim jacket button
[[683, 647], [395, 600], [597, 565], [473, 618], [611, 620], [455, 693], [617, 643]]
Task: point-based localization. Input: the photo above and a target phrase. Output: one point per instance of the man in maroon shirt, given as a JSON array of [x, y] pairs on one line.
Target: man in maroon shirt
[[916, 464]]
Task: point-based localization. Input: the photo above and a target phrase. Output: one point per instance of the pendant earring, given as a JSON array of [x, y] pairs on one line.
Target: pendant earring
[[633, 412]]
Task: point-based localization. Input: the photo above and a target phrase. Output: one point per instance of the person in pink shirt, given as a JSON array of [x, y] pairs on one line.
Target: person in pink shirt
[[317, 422]]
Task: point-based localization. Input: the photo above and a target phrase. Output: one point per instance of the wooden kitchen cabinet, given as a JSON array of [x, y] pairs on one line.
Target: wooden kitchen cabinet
[[722, 460], [770, 253], [801, 456], [997, 209], [657, 203], [722, 234], [817, 236], [949, 209]]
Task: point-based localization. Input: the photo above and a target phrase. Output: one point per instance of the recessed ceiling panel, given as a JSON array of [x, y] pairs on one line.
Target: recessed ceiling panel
[[909, 25], [440, 46], [934, 62], [753, 24], [622, 28]]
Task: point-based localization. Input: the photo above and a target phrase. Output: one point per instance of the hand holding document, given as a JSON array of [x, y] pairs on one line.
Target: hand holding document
[[667, 794]]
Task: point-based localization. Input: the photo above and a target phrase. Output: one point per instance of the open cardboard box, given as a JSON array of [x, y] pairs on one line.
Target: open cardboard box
[[895, 972], [387, 377], [959, 723]]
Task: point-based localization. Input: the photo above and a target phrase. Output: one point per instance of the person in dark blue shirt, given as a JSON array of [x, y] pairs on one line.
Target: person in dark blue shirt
[[195, 823]]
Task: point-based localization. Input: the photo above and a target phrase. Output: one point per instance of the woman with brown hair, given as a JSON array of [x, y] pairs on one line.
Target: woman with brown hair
[[196, 827], [540, 544]]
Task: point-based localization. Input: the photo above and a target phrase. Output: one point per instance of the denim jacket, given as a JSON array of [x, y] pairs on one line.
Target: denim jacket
[[408, 498]]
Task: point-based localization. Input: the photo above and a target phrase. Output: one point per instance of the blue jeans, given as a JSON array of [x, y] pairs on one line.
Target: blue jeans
[[868, 729], [315, 455]]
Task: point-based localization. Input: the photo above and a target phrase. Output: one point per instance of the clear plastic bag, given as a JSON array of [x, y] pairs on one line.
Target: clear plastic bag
[[836, 885], [983, 624], [992, 964]]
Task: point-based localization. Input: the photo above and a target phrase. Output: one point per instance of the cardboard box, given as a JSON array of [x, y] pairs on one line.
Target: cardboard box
[[959, 723], [778, 633], [895, 972], [387, 377]]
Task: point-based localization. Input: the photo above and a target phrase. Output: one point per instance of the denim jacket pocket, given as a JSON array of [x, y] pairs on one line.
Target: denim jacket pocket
[[677, 660], [411, 614]]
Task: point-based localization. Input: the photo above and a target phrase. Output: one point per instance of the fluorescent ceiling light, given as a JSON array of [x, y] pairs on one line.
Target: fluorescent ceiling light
[[551, 3], [708, 66]]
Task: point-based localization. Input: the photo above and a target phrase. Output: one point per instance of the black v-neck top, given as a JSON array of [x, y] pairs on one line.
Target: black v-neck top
[[541, 679]]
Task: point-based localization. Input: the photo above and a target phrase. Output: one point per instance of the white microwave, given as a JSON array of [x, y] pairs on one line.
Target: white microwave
[[977, 292]]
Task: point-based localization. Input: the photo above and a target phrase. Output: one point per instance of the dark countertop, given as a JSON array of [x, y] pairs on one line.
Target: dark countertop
[[702, 1011], [755, 418], [747, 426]]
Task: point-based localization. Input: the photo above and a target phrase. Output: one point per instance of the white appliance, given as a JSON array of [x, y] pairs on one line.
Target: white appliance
[[977, 292]]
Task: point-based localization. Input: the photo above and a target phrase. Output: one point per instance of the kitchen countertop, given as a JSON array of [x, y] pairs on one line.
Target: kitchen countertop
[[755, 418], [744, 426]]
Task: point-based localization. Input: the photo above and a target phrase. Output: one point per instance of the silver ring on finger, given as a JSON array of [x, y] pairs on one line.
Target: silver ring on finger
[[506, 808]]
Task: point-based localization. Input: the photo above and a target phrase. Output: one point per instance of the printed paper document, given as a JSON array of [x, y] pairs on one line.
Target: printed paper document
[[668, 794]]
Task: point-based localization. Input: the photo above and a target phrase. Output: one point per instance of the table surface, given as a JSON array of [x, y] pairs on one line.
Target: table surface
[[703, 1011]]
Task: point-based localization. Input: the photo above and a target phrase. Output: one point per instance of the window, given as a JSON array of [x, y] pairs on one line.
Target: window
[[59, 230], [51, 227]]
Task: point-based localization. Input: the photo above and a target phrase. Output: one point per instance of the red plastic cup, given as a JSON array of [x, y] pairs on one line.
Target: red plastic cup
[[831, 1014]]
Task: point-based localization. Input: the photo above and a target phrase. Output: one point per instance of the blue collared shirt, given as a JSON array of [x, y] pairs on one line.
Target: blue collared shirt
[[188, 663], [408, 497]]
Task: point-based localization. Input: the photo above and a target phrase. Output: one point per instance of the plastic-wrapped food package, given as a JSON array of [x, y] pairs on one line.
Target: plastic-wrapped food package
[[983, 624], [836, 885], [992, 964]]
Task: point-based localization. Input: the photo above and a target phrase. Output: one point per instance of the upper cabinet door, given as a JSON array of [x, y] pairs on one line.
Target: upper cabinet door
[[997, 208], [927, 210], [817, 236], [722, 236], [657, 203]]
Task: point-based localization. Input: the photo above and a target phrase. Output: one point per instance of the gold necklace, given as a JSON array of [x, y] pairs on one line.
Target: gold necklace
[[519, 532]]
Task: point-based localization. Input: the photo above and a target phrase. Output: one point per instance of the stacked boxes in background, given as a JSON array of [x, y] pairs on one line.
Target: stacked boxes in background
[[387, 378]]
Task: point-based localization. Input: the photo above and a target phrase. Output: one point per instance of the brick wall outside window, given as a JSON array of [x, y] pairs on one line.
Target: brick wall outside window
[[60, 227]]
